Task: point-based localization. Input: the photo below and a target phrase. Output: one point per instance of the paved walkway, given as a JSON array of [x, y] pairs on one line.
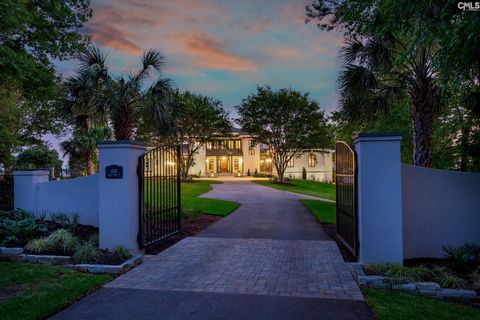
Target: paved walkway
[[270, 259]]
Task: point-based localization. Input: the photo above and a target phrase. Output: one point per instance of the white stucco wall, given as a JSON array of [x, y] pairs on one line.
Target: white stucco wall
[[322, 171], [439, 208], [198, 166], [79, 195]]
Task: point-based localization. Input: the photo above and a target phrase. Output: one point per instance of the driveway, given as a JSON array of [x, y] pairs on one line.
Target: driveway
[[270, 259]]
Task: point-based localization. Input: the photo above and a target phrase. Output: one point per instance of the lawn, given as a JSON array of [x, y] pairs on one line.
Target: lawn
[[192, 204], [308, 187], [324, 211], [397, 305], [35, 291]]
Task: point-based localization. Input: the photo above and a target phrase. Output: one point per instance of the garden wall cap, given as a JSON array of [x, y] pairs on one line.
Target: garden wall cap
[[122, 144], [377, 136], [32, 172]]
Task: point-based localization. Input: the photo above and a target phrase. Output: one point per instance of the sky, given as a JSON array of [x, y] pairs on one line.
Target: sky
[[219, 48], [222, 49]]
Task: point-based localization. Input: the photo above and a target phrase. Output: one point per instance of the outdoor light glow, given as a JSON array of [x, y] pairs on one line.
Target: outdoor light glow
[[269, 160], [223, 158]]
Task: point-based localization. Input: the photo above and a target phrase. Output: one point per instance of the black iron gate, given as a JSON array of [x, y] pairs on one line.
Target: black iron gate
[[345, 166], [6, 192], [159, 183]]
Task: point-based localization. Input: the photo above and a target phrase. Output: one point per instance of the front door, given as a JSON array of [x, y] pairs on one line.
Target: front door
[[223, 165]]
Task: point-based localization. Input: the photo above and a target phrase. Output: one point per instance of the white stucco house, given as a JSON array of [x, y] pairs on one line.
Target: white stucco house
[[235, 155]]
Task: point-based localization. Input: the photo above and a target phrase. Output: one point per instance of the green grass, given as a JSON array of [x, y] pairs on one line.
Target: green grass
[[35, 291], [192, 204], [391, 305], [308, 187], [324, 211]]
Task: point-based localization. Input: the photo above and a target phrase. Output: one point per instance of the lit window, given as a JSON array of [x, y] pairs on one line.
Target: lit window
[[290, 163], [251, 151], [312, 160]]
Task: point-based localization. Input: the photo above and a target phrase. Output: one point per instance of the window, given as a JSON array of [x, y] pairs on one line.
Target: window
[[235, 164], [312, 160], [290, 163], [238, 144], [251, 151], [210, 164]]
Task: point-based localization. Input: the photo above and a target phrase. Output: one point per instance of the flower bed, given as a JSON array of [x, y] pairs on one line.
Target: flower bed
[[457, 276], [60, 241]]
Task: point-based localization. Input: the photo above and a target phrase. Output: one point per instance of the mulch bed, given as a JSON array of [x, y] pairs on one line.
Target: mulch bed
[[331, 230], [190, 226], [82, 232]]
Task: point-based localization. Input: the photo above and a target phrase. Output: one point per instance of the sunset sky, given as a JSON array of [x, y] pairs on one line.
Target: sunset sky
[[220, 48]]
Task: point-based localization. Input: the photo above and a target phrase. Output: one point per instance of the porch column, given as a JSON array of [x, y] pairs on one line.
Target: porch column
[[379, 197], [119, 196]]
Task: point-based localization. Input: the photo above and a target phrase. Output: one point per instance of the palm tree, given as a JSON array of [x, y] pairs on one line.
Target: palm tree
[[381, 71], [122, 97], [83, 146]]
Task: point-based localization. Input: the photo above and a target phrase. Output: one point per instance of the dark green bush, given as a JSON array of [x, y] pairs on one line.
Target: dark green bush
[[304, 173], [19, 224]]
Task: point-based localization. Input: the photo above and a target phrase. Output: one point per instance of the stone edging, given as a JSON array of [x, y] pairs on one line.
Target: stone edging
[[17, 255], [430, 289]]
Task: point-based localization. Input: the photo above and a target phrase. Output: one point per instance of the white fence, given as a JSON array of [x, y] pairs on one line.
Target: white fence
[[439, 208]]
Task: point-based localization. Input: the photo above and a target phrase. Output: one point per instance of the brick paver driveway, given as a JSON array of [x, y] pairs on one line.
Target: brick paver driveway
[[270, 259]]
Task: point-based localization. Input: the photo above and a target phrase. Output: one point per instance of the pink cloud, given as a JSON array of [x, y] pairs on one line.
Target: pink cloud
[[108, 36], [210, 53]]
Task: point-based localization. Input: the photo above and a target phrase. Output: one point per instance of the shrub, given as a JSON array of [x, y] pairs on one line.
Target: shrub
[[304, 173], [121, 253], [256, 172], [459, 255], [399, 274], [62, 240], [377, 268], [475, 278], [448, 280], [248, 172], [16, 224], [38, 245], [421, 273], [87, 252]]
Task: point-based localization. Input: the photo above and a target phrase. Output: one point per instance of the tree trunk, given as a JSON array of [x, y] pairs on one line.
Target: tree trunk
[[123, 121], [90, 169], [423, 94]]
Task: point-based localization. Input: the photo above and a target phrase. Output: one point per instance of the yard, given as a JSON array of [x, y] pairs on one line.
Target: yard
[[324, 211], [307, 187], [35, 291], [193, 205], [393, 305]]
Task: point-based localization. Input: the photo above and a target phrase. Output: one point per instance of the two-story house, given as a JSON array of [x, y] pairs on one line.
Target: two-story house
[[235, 155]]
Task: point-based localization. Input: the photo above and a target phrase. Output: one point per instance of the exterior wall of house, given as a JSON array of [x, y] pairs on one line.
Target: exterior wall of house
[[199, 164], [250, 161], [319, 170]]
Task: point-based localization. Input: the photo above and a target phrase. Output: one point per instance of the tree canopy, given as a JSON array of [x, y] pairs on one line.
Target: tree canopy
[[426, 53], [285, 120]]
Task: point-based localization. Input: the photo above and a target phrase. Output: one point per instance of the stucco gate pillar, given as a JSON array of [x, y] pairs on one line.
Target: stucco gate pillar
[[118, 194], [379, 197]]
